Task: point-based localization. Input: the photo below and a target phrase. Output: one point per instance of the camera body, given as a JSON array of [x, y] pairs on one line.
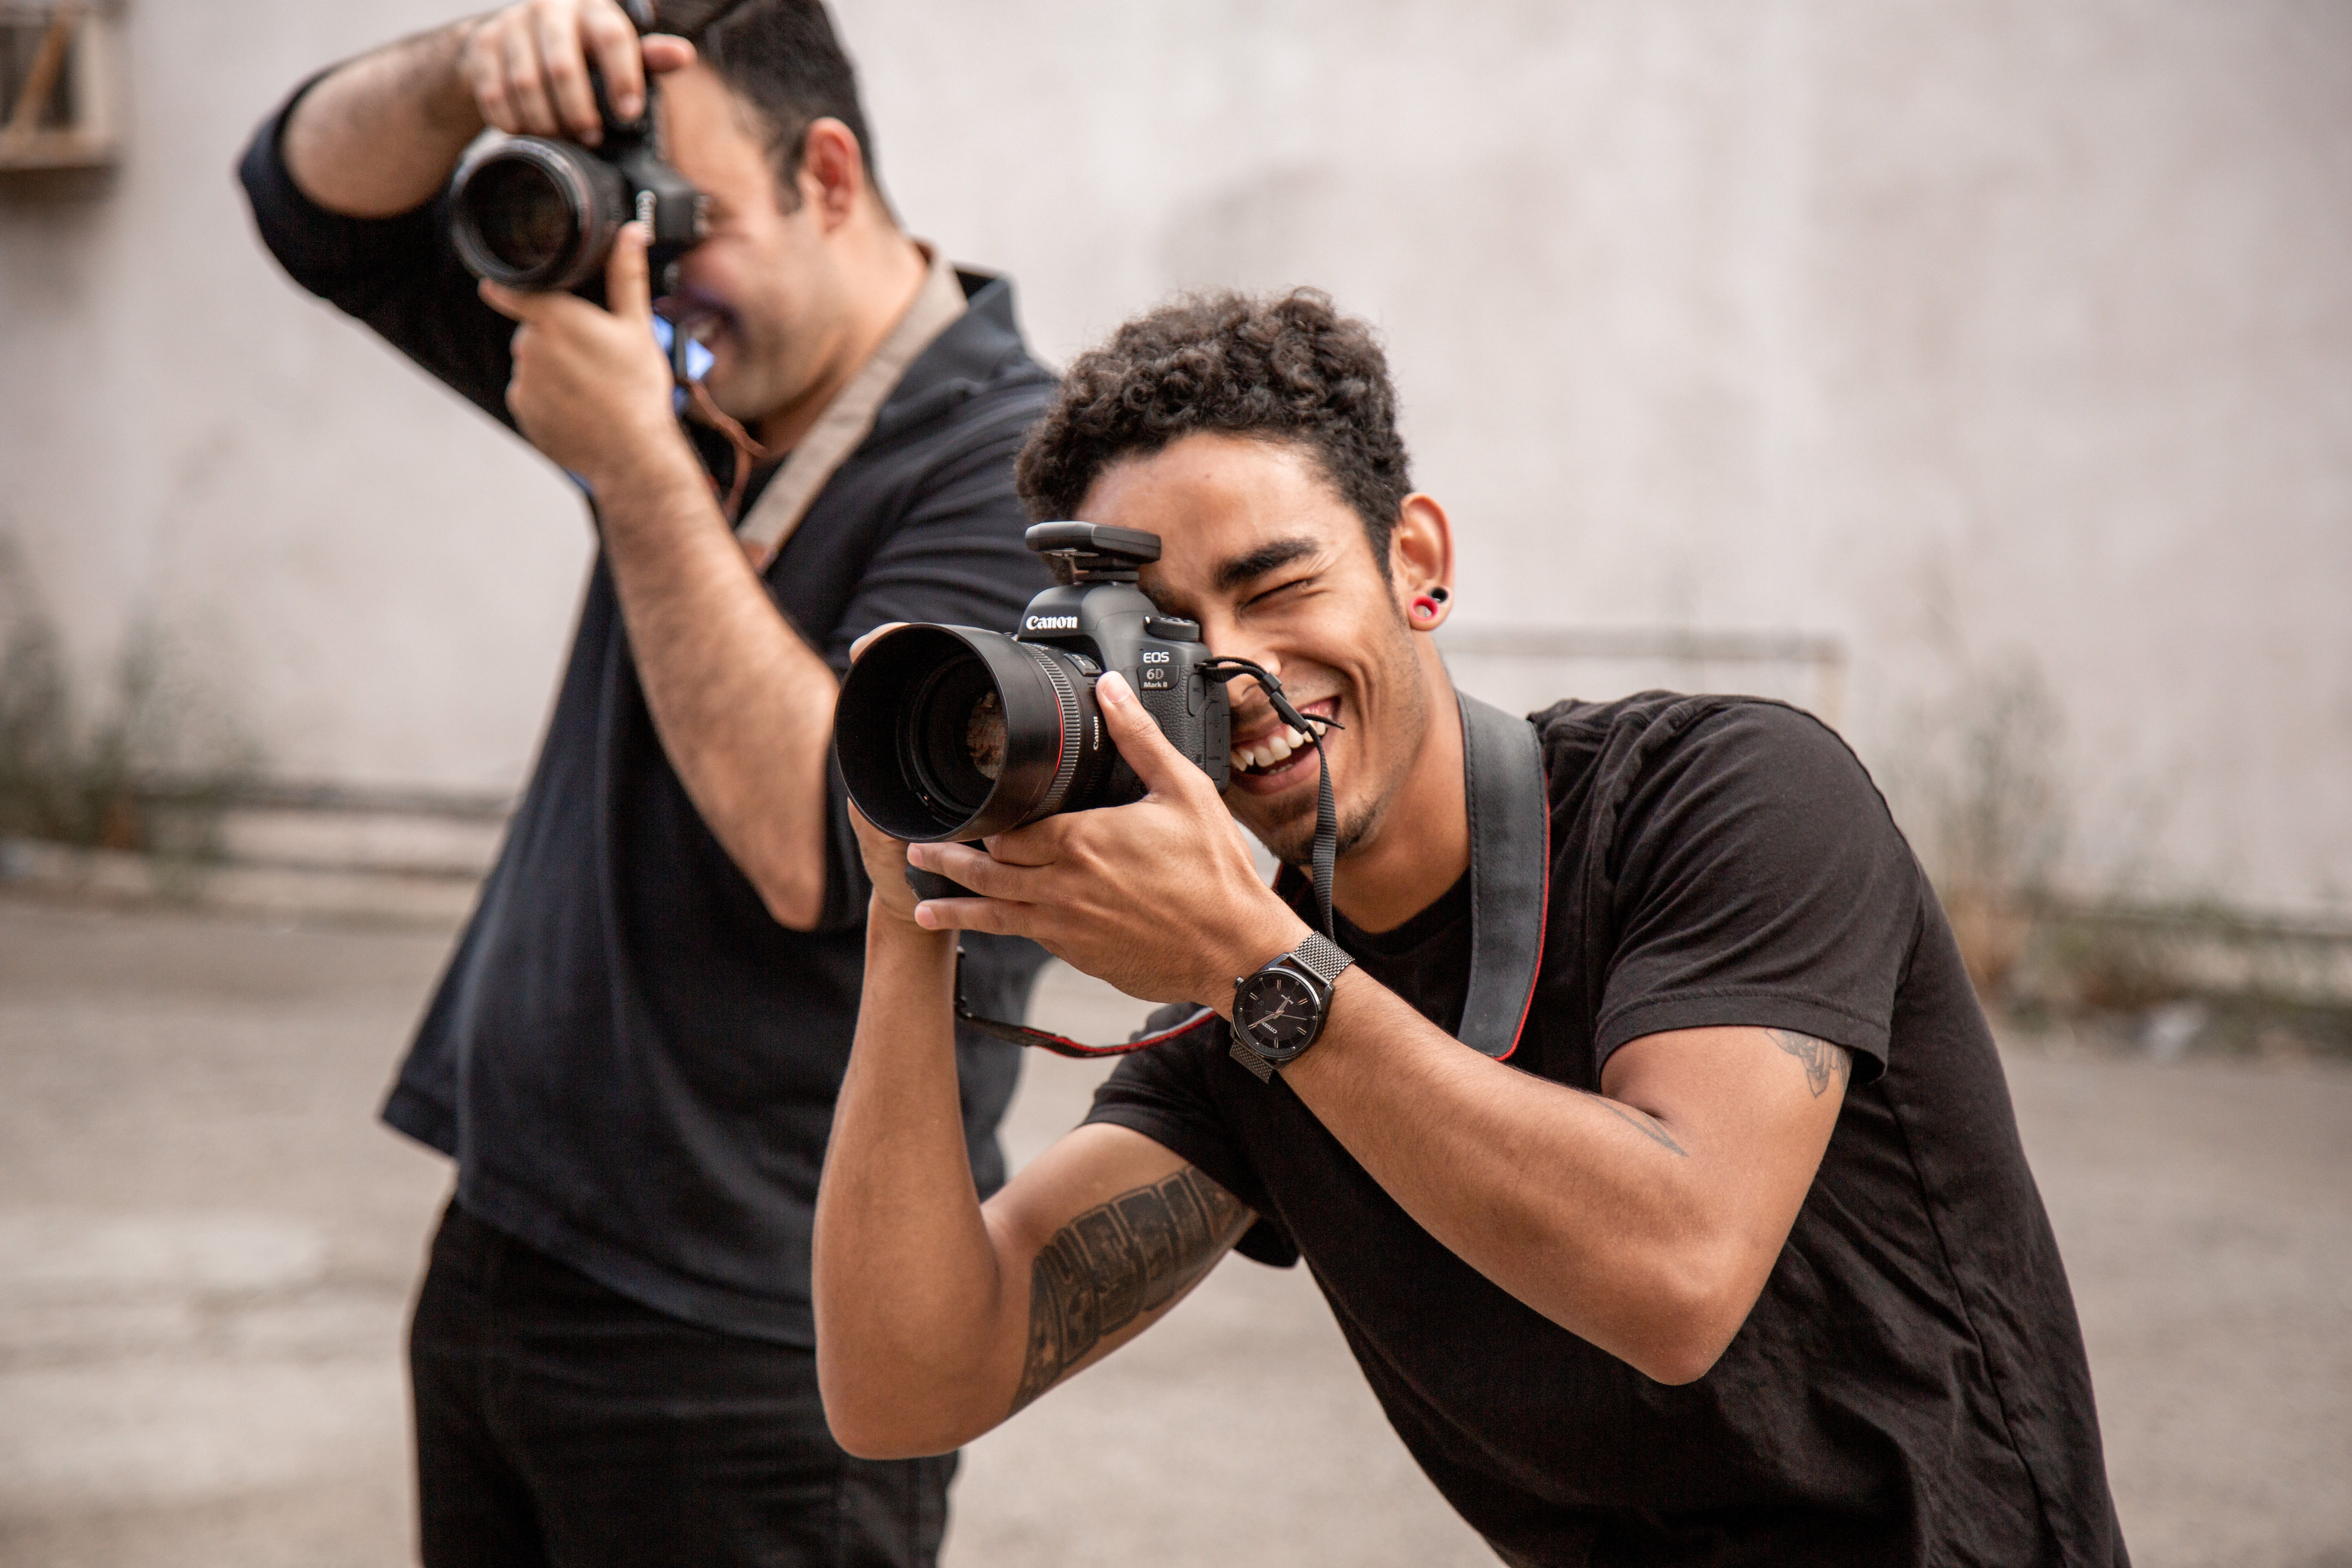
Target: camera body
[[952, 732], [535, 214]]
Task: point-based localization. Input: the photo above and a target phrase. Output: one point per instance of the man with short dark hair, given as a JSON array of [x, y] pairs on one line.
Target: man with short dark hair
[[1734, 1259], [634, 1053]]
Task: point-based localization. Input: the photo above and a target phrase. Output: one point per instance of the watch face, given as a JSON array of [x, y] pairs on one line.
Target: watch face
[[1279, 1009]]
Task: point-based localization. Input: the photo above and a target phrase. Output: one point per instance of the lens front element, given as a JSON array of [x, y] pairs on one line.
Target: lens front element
[[983, 735], [523, 216], [955, 733], [536, 213]]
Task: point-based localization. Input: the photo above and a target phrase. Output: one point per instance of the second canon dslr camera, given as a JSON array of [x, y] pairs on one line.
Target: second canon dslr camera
[[955, 733]]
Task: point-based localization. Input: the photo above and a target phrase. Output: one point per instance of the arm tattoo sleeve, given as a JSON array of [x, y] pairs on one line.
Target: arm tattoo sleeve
[[1118, 1261], [1823, 1061]]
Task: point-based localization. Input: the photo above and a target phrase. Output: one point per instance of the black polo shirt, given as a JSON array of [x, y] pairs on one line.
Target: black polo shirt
[[633, 1065], [1909, 1389]]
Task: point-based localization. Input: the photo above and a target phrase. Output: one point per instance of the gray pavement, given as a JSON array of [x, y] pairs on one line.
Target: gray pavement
[[206, 1246]]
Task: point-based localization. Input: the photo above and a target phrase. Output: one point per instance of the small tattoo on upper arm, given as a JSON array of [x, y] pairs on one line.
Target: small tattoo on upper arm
[[1823, 1061], [1118, 1261]]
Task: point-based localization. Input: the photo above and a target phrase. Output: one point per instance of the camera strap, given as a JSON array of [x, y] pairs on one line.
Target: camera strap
[[1510, 891], [840, 430]]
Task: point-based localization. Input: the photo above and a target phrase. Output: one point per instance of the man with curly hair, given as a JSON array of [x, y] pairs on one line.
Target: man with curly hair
[[1736, 1261]]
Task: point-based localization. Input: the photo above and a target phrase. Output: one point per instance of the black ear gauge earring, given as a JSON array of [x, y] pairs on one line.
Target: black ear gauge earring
[[1440, 595]]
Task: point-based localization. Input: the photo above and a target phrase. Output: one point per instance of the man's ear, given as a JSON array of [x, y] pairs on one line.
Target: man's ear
[[833, 170], [1421, 562]]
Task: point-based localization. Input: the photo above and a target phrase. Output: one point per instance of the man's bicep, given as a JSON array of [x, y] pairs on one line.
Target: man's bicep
[[1751, 1108], [1108, 1229], [399, 276]]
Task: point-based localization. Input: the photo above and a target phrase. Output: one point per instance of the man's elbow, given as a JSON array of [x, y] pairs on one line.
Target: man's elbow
[[881, 1425], [880, 1440], [795, 901], [1692, 1319], [1680, 1359]]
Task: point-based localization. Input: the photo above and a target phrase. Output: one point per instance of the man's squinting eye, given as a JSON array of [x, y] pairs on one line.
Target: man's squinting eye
[[1268, 597]]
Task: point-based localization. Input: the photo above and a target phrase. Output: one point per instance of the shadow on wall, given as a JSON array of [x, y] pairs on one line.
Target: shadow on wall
[[147, 764]]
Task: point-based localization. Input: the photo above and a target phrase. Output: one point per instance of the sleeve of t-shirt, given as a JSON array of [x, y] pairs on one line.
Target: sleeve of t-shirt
[[398, 275], [1759, 881], [1162, 1092], [959, 558]]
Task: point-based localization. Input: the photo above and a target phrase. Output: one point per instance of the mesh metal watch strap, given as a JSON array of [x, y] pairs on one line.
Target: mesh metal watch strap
[[1322, 956], [1319, 956]]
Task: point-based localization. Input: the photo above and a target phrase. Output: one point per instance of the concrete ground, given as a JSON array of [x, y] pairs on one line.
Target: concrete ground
[[206, 1246]]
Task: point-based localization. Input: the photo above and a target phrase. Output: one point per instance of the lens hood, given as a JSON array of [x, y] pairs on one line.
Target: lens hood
[[535, 214], [952, 732]]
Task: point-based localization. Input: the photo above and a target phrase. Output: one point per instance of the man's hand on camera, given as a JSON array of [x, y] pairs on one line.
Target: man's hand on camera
[[591, 388], [526, 65], [1159, 898]]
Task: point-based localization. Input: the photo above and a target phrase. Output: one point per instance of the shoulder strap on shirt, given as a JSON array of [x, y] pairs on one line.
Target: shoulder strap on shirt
[[1511, 872], [849, 419]]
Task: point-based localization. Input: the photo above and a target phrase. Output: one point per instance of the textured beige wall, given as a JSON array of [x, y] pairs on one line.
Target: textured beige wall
[[1980, 335]]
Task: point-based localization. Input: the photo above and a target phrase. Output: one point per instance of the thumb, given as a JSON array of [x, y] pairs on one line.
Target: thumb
[[628, 292], [1160, 766]]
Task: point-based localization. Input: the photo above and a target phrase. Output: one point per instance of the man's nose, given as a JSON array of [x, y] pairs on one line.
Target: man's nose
[[1249, 699]]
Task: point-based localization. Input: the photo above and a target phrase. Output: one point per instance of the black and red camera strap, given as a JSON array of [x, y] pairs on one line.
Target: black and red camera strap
[[1510, 883]]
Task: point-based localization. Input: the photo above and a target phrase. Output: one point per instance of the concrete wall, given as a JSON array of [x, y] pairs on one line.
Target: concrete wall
[[1988, 337]]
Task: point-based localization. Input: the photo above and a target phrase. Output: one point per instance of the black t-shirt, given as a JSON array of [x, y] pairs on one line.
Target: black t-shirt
[[633, 1065], [1910, 1387]]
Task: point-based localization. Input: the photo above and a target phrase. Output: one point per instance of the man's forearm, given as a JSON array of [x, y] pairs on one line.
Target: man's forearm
[[380, 134], [1590, 1211], [744, 707], [915, 1344]]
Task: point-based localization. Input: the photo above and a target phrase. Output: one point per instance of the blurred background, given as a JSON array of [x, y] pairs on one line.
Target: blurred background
[[1978, 374]]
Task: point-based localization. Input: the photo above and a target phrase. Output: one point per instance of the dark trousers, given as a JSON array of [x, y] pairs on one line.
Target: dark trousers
[[560, 1425]]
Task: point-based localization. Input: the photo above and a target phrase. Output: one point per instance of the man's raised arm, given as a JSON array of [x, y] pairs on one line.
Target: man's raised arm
[[938, 1316], [380, 134]]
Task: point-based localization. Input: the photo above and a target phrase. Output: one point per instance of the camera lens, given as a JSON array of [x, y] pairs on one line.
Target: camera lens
[[983, 736], [954, 733], [522, 214], [531, 213]]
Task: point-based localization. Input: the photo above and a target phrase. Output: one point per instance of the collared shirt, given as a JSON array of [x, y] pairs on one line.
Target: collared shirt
[[633, 1063]]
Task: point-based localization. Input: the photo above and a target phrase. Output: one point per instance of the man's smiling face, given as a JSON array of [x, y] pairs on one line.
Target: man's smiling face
[[1258, 546], [761, 290]]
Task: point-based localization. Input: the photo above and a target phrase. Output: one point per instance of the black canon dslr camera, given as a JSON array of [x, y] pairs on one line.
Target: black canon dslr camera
[[954, 733], [536, 214]]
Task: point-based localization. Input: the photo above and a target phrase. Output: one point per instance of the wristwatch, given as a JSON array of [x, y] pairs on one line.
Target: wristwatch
[[1278, 1012]]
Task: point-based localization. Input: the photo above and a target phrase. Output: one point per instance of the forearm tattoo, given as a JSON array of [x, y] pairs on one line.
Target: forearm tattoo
[[1118, 1261], [1823, 1061]]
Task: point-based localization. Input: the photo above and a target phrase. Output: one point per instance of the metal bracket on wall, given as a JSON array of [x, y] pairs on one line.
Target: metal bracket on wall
[[57, 87]]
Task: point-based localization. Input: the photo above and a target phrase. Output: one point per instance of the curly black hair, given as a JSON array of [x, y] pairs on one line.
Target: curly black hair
[[1285, 368]]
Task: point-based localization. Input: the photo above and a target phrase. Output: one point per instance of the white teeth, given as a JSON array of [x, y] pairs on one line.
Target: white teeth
[[1278, 747]]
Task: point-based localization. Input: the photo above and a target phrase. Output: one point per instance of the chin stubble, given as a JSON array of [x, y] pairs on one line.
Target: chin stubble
[[1401, 675]]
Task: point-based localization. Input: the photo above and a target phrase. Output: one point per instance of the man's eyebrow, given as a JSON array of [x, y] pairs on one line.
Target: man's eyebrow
[[1233, 573]]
